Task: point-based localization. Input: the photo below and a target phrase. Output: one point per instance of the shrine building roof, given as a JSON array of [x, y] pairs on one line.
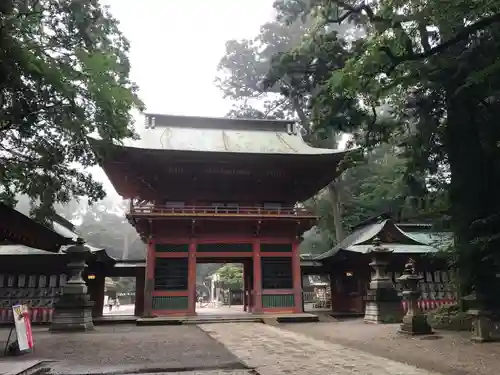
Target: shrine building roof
[[18, 228], [242, 158], [98, 254], [207, 134], [392, 237]]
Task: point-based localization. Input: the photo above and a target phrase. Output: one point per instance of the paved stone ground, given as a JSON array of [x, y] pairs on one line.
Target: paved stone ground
[[120, 310], [209, 372], [127, 348], [16, 366], [449, 352], [275, 351], [340, 348]]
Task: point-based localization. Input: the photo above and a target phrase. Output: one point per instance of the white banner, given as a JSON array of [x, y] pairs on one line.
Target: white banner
[[22, 324]]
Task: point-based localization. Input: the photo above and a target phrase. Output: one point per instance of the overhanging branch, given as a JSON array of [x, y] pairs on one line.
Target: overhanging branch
[[396, 23], [460, 36]]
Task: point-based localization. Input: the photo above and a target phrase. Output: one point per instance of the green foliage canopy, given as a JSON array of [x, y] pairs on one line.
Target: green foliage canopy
[[435, 65], [64, 75], [231, 274]]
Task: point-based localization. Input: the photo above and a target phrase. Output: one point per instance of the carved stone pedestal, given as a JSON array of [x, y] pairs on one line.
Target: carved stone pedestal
[[72, 317], [383, 307], [383, 304], [73, 311], [481, 325], [415, 325]]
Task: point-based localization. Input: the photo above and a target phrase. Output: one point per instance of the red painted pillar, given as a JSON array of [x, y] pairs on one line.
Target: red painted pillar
[[245, 285], [150, 279], [297, 277], [139, 292], [257, 278], [192, 277]]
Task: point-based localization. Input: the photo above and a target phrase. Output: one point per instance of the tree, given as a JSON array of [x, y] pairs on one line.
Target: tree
[[64, 75], [69, 211], [231, 275], [245, 66], [436, 66], [316, 241], [269, 83], [104, 225], [377, 185]]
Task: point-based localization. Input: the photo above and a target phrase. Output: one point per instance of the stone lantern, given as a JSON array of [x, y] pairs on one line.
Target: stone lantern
[[482, 323], [414, 321], [73, 310], [383, 305]]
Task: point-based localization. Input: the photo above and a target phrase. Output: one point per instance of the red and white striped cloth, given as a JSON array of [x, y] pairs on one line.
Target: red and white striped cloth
[[37, 314], [429, 304]]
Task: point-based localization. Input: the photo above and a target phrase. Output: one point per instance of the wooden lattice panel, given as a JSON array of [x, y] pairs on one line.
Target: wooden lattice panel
[[171, 274]]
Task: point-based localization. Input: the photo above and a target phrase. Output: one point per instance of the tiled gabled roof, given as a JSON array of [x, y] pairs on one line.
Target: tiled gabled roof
[[361, 239]]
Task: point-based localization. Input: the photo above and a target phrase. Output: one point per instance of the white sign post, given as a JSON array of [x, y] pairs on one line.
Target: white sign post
[[22, 324]]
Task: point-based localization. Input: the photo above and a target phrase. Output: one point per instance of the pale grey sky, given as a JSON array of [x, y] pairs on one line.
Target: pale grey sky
[[175, 48]]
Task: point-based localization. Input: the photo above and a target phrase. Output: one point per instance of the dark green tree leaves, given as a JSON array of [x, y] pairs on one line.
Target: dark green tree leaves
[[64, 75]]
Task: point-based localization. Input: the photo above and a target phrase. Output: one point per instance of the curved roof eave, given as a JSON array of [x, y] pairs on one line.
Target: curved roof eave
[[21, 229], [222, 142], [380, 227], [365, 235]]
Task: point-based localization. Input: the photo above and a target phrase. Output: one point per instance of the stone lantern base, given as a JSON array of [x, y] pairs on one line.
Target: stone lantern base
[[383, 306], [415, 325], [481, 325], [70, 316]]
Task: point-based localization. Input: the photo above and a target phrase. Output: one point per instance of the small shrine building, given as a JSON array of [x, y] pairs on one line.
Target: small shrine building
[[33, 266], [347, 263]]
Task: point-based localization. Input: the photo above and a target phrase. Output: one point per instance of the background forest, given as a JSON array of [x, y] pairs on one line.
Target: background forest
[[279, 74], [414, 85]]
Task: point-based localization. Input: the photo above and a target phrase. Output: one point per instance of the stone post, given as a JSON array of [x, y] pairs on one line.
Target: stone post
[[73, 311], [482, 323], [383, 305], [414, 321]]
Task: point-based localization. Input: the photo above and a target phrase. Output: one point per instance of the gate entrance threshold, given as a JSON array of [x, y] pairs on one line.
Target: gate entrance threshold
[[229, 318]]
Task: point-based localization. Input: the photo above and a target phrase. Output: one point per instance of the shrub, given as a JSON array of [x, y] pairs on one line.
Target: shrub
[[449, 317]]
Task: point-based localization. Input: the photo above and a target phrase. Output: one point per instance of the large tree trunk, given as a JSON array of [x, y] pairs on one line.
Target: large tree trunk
[[473, 156], [333, 192], [333, 189]]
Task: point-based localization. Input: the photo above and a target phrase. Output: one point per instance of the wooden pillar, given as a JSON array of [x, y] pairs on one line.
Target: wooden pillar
[[149, 279], [140, 280], [302, 290], [333, 290], [192, 278], [257, 278], [96, 291], [297, 278], [247, 277], [245, 284], [250, 279]]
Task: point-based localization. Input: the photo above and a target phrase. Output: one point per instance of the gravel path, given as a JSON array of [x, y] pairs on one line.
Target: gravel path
[[130, 348], [275, 351], [447, 352]]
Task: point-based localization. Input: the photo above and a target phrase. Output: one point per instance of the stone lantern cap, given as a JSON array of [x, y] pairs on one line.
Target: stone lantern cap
[[409, 272], [378, 248], [78, 247]]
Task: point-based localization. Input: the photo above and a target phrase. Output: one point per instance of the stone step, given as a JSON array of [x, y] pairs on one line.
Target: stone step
[[23, 367]]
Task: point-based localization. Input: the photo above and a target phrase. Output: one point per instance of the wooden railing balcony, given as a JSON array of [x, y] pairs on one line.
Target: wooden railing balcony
[[218, 211]]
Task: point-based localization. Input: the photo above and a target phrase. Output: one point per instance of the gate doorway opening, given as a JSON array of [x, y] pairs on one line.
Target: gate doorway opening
[[223, 288], [119, 296]]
